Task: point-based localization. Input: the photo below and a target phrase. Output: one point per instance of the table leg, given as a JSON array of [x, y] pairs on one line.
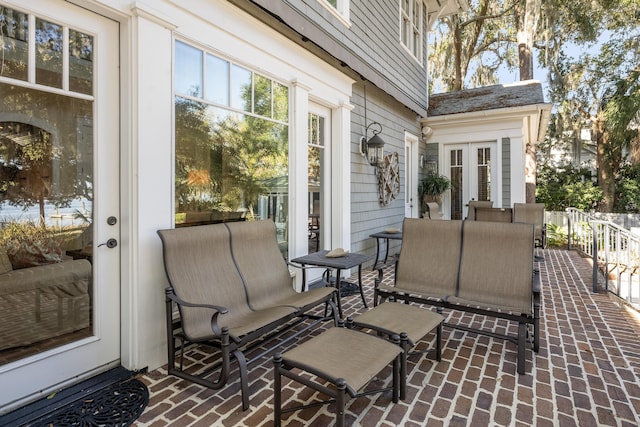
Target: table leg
[[364, 301], [304, 278], [386, 250], [338, 283], [375, 263]]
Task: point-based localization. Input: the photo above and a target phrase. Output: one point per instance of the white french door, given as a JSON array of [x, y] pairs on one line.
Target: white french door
[[472, 170], [59, 91], [319, 182], [411, 200]]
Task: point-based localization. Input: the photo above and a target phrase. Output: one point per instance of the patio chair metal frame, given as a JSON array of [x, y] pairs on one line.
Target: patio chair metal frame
[[478, 267], [233, 292]]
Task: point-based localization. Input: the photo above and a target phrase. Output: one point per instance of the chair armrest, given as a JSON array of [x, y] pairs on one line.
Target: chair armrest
[[173, 297], [536, 286]]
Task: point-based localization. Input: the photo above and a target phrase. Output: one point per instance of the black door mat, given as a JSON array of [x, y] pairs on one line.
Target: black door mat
[[114, 398]]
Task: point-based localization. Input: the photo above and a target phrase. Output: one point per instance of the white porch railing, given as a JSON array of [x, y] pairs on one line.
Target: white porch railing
[[615, 252]]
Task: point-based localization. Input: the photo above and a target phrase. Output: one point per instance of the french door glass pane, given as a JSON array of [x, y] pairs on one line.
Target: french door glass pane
[[456, 183], [80, 62], [46, 190], [484, 174], [315, 161], [48, 53], [14, 31]]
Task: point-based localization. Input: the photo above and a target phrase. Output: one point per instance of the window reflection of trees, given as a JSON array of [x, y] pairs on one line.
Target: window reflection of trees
[[42, 164], [231, 143], [224, 159], [14, 29]]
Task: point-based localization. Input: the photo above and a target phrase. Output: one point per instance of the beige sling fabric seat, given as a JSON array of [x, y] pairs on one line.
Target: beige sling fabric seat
[[264, 270], [497, 278], [410, 322], [233, 292], [481, 282], [435, 241], [348, 360], [532, 213], [473, 204], [493, 214], [479, 267]]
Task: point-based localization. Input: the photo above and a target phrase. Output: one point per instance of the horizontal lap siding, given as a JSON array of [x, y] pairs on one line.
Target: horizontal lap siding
[[376, 32], [396, 91], [367, 216], [370, 45]]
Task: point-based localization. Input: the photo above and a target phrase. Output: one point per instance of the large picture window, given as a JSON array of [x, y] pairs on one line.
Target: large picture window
[[231, 142]]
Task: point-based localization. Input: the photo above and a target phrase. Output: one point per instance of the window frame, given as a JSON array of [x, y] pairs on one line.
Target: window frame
[[201, 96], [340, 10], [409, 32], [228, 105], [66, 86]]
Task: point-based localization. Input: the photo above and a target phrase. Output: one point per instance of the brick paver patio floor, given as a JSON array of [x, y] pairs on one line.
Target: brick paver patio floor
[[587, 372]]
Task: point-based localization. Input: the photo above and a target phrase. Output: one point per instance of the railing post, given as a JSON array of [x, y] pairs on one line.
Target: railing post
[[568, 230], [595, 258]]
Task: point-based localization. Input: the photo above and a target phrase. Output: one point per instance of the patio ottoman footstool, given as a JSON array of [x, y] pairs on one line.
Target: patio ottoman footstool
[[410, 322], [346, 359]]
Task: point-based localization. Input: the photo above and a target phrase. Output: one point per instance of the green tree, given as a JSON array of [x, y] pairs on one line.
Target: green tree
[[566, 186], [224, 158], [468, 49], [600, 91], [628, 190], [597, 91]]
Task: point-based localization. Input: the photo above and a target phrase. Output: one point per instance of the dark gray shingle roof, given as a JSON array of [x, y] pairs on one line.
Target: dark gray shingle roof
[[486, 98]]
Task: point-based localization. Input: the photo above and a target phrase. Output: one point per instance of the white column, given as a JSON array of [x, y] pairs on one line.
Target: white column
[[342, 147], [298, 178], [149, 205]]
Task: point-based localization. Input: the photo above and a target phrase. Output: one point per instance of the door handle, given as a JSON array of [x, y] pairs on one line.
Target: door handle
[[111, 243]]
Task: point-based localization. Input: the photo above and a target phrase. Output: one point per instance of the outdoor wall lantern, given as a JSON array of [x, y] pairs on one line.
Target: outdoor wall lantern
[[373, 148]]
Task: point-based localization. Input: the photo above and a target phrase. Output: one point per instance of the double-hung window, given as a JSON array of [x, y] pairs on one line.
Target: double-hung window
[[412, 19]]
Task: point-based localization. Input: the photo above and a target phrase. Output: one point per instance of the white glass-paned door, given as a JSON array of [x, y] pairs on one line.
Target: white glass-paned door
[[411, 200], [472, 169], [319, 182], [59, 197]]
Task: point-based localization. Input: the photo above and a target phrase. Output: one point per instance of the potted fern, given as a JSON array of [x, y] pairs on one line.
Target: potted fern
[[431, 188]]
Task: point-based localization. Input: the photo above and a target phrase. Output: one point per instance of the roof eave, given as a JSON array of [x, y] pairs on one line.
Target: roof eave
[[541, 112]]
